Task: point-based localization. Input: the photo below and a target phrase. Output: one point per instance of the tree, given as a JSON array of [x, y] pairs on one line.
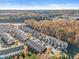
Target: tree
[[15, 57], [25, 50], [49, 50], [38, 56], [76, 56], [21, 57], [71, 36], [58, 55], [33, 56], [16, 42], [76, 41], [59, 33], [27, 57], [29, 35], [53, 57]]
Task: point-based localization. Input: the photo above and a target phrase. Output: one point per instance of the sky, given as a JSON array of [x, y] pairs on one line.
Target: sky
[[39, 4]]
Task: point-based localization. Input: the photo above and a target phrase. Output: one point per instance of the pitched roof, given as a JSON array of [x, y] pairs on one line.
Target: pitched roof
[[20, 34], [36, 46], [8, 38]]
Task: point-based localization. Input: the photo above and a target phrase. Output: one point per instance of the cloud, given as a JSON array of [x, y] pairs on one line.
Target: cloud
[[64, 6], [38, 7]]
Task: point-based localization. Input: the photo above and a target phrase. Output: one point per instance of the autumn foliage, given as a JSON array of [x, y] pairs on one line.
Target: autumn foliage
[[76, 56], [66, 30]]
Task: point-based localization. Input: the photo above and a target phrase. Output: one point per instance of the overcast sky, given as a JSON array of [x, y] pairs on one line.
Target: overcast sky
[[39, 4]]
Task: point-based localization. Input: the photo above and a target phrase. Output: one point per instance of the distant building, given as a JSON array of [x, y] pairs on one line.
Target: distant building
[[48, 40], [23, 36], [8, 38], [6, 27], [36, 46]]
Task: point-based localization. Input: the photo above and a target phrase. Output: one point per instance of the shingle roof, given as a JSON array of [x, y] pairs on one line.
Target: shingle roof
[[36, 46], [8, 38], [54, 42], [20, 34]]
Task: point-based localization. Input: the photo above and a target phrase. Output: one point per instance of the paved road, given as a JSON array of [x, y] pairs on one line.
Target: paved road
[[12, 51], [12, 24]]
